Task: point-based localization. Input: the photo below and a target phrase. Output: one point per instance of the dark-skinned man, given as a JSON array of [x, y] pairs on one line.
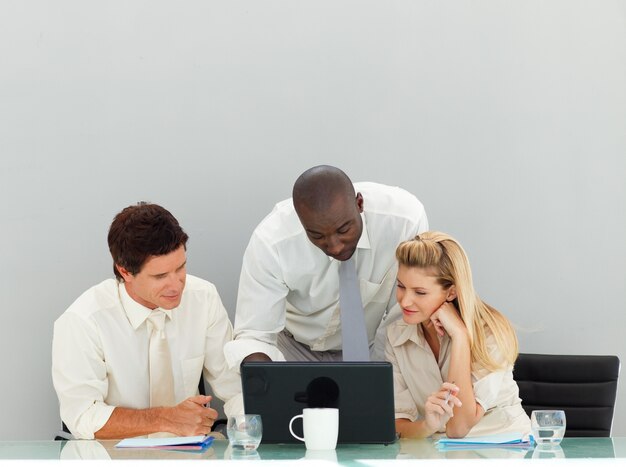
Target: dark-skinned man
[[288, 303]]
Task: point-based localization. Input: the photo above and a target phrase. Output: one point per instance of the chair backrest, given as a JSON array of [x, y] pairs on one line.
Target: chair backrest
[[584, 386]]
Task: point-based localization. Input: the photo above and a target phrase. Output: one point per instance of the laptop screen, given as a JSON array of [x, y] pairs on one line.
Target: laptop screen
[[362, 391]]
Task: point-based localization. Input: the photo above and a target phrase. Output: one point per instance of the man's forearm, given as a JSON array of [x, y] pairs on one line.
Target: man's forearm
[[127, 423]]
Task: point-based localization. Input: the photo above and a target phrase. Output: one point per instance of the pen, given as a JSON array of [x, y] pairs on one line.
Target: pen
[[449, 394]]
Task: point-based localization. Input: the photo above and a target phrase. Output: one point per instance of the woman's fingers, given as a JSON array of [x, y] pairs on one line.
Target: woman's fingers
[[440, 406], [448, 392], [438, 327], [433, 407], [454, 401]]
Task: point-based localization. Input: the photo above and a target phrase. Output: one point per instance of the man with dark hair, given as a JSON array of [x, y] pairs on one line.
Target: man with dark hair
[[295, 300], [128, 354]]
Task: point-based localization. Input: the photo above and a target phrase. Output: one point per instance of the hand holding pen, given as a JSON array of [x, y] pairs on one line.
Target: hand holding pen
[[191, 417], [439, 406], [449, 393]]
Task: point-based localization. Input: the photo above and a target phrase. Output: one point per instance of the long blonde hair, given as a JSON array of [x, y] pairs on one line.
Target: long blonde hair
[[446, 259]]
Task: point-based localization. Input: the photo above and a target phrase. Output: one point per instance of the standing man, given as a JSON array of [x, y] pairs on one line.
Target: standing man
[[128, 354], [289, 304]]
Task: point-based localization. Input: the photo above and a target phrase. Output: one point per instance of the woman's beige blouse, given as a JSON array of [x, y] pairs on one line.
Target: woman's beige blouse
[[417, 375]]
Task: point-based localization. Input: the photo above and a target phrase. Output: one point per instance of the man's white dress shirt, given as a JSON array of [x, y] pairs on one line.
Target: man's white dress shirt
[[101, 345], [288, 283]]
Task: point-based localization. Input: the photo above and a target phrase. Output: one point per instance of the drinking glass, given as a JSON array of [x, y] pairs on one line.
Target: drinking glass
[[554, 452], [244, 454], [244, 432], [548, 427]]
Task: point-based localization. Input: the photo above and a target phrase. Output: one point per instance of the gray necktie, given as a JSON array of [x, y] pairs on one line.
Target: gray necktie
[[355, 343]]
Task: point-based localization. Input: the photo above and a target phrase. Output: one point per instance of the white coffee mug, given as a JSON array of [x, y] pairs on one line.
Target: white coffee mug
[[320, 426]]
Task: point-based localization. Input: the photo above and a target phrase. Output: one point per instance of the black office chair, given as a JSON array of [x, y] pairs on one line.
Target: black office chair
[[219, 425], [584, 386], [64, 434]]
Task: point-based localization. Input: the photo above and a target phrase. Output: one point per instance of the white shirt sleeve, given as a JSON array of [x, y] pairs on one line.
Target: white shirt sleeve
[[261, 305], [225, 383], [79, 376], [487, 389], [488, 384]]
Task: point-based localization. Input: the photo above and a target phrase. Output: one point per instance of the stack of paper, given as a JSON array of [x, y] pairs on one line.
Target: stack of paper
[[502, 440], [185, 443]]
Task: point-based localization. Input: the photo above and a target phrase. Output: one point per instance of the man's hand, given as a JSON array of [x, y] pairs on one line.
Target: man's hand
[[190, 418], [257, 357]]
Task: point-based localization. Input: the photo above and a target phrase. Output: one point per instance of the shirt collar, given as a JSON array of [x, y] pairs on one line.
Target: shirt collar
[[364, 241], [136, 312], [409, 332], [415, 334]]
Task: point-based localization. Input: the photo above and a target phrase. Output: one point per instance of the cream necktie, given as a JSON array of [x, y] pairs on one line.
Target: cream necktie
[[355, 344], [161, 377]]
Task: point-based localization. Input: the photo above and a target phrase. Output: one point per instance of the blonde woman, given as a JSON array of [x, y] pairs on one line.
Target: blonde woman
[[452, 353]]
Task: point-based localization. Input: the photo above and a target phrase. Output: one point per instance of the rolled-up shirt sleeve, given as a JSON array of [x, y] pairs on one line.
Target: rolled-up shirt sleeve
[[488, 384], [79, 376], [487, 389], [261, 305], [225, 382]]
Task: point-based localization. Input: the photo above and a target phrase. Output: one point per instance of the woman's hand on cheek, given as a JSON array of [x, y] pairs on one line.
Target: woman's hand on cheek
[[439, 327], [447, 319]]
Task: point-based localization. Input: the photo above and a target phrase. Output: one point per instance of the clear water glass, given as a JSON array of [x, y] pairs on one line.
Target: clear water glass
[[244, 432], [552, 452], [548, 427], [245, 454]]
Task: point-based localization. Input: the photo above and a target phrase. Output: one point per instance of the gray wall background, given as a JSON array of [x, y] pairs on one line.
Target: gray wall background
[[507, 119]]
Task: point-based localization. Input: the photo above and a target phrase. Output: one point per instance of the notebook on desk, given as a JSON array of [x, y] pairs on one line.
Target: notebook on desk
[[362, 391]]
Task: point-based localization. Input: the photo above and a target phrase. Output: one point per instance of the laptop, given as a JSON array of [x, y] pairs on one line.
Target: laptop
[[362, 391]]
